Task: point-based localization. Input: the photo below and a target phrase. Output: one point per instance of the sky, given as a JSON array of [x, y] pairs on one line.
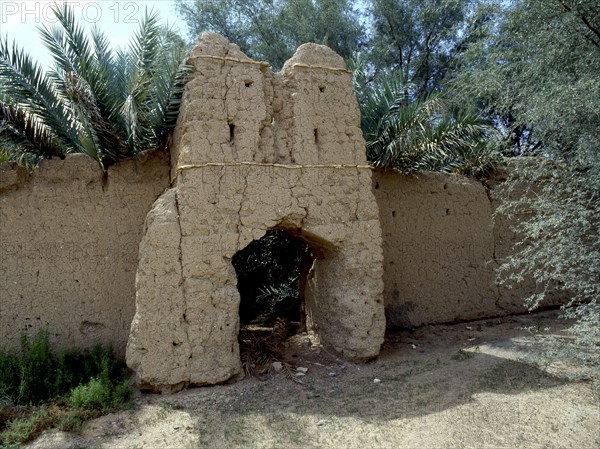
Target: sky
[[118, 19]]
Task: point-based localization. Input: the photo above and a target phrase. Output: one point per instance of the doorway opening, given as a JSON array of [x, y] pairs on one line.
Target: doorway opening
[[271, 279]]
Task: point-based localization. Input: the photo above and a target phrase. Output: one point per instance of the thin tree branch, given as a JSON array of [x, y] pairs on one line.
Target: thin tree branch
[[583, 18]]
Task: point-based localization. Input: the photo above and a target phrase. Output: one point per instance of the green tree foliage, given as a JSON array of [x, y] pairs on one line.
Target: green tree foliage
[[413, 133], [537, 76], [421, 39], [560, 248], [417, 42], [12, 151], [104, 103], [271, 30]]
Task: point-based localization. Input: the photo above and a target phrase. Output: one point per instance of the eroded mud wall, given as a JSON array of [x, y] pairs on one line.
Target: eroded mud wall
[[441, 247], [69, 247], [255, 150]]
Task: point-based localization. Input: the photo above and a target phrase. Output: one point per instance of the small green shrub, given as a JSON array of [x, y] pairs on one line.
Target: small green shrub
[[94, 395], [100, 395], [36, 369], [121, 394], [27, 378], [9, 376], [73, 420], [35, 376], [106, 391], [463, 355], [91, 383]]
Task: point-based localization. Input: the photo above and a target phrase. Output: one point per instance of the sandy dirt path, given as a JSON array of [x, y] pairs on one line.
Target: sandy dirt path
[[483, 384]]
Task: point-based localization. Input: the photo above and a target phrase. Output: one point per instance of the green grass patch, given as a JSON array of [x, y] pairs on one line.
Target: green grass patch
[[23, 429]]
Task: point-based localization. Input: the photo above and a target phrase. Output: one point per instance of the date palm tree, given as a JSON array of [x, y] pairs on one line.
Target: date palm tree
[[106, 103], [411, 133]]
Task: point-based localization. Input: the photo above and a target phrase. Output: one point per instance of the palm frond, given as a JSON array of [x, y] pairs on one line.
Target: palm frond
[[28, 132], [73, 39], [83, 76], [24, 86], [104, 103], [144, 52], [170, 74], [420, 134]]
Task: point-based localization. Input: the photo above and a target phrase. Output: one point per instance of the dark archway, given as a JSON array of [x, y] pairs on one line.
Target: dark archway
[[271, 280], [271, 275]]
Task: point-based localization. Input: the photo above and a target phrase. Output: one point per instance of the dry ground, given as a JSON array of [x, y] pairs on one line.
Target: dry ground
[[482, 384]]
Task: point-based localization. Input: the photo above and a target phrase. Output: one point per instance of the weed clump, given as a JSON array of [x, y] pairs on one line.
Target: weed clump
[[39, 390]]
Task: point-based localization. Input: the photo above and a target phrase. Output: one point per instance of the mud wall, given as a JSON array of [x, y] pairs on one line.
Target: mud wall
[[441, 248], [69, 242], [253, 151], [69, 248]]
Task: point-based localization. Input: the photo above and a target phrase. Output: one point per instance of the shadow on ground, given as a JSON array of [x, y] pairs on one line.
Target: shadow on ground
[[468, 385]]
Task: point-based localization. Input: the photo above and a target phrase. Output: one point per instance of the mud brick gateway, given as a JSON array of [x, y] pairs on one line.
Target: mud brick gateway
[[255, 150]]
